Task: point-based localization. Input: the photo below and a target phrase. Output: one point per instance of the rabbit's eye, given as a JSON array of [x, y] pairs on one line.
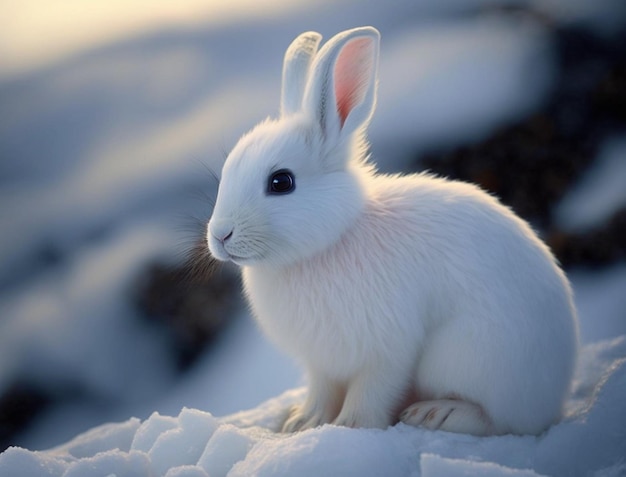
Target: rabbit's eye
[[281, 182]]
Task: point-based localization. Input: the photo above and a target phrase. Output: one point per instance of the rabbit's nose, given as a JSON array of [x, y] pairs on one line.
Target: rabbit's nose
[[222, 230]]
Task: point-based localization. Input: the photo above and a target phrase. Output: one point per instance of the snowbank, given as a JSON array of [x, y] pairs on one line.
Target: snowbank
[[591, 440]]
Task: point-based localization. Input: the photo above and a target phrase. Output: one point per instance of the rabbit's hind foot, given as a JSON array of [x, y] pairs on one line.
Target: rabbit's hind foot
[[450, 415]]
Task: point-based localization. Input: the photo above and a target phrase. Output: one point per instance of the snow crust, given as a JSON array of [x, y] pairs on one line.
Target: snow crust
[[591, 440]]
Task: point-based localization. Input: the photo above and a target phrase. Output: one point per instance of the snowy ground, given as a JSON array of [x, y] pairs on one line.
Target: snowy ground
[[101, 149], [590, 441]]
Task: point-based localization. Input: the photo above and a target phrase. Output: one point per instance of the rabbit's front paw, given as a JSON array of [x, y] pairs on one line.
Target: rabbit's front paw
[[300, 420], [448, 415], [366, 418]]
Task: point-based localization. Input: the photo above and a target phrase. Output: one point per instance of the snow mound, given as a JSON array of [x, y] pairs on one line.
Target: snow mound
[[600, 193], [591, 440]]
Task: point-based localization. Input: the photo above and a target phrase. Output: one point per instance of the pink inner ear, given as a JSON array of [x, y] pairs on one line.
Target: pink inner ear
[[353, 70]]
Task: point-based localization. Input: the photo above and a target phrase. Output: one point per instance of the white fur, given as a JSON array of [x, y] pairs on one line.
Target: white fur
[[391, 288], [296, 67]]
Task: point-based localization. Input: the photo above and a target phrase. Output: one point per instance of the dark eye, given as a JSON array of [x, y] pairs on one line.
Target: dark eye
[[281, 182]]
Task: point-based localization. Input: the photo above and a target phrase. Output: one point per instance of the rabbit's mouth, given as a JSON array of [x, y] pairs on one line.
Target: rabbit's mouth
[[237, 259], [224, 255], [247, 260]]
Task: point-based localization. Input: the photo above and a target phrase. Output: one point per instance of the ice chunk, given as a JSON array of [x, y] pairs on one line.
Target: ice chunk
[[185, 444], [228, 445], [151, 429]]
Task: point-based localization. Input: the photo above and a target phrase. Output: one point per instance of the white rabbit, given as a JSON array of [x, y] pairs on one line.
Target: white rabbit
[[390, 290]]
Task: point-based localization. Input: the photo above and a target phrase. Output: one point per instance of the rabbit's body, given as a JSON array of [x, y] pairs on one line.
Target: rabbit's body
[[388, 288], [404, 297]]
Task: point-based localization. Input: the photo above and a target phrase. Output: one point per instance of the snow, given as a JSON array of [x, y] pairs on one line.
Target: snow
[[591, 440], [433, 465], [601, 300], [600, 193], [103, 135], [458, 80]]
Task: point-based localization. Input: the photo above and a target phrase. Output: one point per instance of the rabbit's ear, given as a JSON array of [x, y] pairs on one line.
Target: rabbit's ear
[[296, 65], [341, 93]]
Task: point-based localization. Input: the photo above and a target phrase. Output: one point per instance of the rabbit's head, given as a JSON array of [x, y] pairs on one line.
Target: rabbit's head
[[292, 186]]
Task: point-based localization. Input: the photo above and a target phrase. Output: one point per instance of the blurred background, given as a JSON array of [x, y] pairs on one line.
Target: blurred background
[[115, 115]]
